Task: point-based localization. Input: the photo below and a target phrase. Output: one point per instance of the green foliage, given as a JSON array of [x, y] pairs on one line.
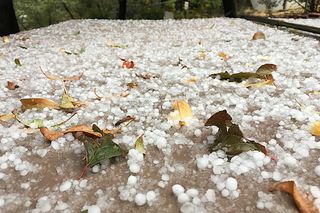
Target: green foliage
[[40, 13]]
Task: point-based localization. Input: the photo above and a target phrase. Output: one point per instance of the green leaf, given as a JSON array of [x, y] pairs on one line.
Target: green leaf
[[236, 77], [229, 137], [17, 62], [95, 128], [84, 211], [139, 145], [100, 149], [66, 101]]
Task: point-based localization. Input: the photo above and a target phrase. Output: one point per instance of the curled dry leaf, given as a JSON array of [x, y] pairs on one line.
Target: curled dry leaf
[[266, 69], [86, 130], [269, 81], [29, 103], [124, 120], [7, 117], [54, 77], [96, 94], [315, 128], [139, 145], [224, 56], [258, 35], [301, 200], [127, 63], [182, 112], [11, 85]]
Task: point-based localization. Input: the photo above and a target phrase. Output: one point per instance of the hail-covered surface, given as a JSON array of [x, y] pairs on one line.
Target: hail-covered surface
[[177, 173]]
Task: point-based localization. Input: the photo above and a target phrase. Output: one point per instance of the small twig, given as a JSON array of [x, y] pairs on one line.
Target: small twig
[[63, 122]]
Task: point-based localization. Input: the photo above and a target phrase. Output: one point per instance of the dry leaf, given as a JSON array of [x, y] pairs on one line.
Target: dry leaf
[[50, 135], [266, 69], [127, 63], [7, 117], [269, 81], [182, 112], [224, 56], [303, 203], [258, 35], [11, 85], [96, 94], [124, 120], [315, 129], [29, 103], [66, 101], [146, 76], [192, 80], [54, 77], [87, 130], [132, 85], [5, 39], [202, 55], [218, 119]]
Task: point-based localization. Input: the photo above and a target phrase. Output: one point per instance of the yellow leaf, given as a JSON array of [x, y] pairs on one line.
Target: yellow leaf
[[66, 101], [315, 129], [182, 112], [5, 39], [7, 117], [192, 80], [224, 56], [269, 81], [29, 103], [202, 55], [139, 145]]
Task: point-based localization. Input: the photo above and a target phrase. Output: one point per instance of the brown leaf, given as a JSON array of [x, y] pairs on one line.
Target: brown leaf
[[96, 94], [50, 135], [303, 203], [29, 103], [125, 119], [266, 69], [11, 85], [218, 119], [132, 85], [258, 35], [87, 130], [127, 63], [146, 76]]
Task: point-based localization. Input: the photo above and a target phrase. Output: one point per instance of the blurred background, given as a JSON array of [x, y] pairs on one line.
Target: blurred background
[[39, 13]]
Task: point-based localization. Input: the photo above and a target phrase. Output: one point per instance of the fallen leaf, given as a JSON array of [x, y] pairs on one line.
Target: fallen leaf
[[99, 149], [266, 69], [182, 112], [146, 76], [17, 62], [229, 137], [113, 45], [127, 63], [224, 56], [5, 39], [29, 103], [269, 81], [51, 135], [124, 120], [132, 85], [220, 118], [258, 35], [192, 80], [66, 101], [202, 55], [11, 85], [315, 129], [82, 50], [140, 145], [237, 77], [54, 77], [7, 117], [96, 94], [301, 200]]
